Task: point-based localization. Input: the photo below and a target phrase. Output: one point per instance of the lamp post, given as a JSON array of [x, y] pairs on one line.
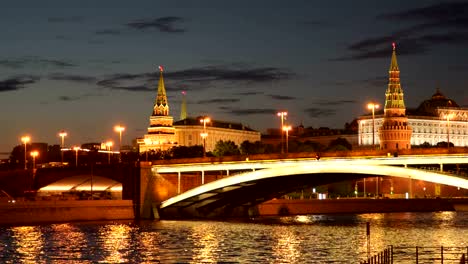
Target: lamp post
[[282, 115], [34, 154], [286, 129], [448, 116], [62, 134], [204, 120], [76, 149], [119, 129], [109, 145], [373, 106], [25, 141]]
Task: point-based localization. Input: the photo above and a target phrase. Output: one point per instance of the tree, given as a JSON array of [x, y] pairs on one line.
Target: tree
[[249, 148], [339, 144], [225, 148], [187, 152]]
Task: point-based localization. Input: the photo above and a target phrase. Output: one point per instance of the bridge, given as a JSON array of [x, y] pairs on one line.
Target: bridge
[[227, 188]]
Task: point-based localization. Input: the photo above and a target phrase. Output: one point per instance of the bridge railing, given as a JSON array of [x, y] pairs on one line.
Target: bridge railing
[[419, 255]]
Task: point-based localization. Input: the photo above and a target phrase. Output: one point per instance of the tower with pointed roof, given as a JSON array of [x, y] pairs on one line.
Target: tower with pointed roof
[[395, 132], [161, 132], [183, 107]]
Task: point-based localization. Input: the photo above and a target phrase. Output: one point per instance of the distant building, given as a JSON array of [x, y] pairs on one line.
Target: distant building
[[163, 134], [188, 133], [437, 119]]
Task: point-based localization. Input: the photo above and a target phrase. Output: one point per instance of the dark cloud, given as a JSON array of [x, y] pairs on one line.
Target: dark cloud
[[67, 98], [250, 111], [108, 32], [333, 102], [319, 112], [436, 12], [281, 97], [441, 23], [231, 73], [72, 78], [248, 93], [219, 101], [73, 19], [163, 24], [196, 78], [32, 61], [16, 83]]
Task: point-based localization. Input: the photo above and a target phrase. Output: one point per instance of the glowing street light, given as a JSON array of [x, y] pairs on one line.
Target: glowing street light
[[283, 115], [25, 141], [62, 134], [372, 107], [286, 129], [448, 117], [34, 154], [204, 120], [76, 149], [109, 145], [119, 129]]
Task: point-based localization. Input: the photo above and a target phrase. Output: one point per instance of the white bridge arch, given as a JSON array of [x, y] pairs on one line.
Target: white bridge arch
[[257, 186]]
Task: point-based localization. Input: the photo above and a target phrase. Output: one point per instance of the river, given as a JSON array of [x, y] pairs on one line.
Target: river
[[292, 239]]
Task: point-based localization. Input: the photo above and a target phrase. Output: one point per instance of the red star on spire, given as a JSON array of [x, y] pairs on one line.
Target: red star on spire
[[161, 69]]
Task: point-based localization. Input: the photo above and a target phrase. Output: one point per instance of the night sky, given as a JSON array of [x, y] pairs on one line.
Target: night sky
[[85, 68]]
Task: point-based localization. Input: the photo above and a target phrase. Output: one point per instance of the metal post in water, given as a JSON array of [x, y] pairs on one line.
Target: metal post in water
[[416, 254], [442, 254], [368, 239]]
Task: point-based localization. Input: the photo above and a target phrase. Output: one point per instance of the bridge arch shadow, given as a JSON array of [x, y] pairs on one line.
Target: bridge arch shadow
[[237, 194]]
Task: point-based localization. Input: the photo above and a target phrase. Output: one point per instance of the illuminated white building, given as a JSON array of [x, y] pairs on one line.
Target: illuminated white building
[[188, 133], [429, 123]]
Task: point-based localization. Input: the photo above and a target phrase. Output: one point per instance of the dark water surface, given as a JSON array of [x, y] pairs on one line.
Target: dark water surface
[[295, 239]]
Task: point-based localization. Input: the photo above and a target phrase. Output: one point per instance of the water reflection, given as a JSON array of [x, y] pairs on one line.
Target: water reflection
[[286, 249], [206, 244], [69, 244], [115, 243], [28, 242], [301, 239]]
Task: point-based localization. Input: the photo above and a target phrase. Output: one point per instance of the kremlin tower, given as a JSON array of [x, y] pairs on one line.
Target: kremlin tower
[[395, 133], [161, 133]]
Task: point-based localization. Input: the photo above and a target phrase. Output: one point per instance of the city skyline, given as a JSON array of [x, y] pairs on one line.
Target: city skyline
[[85, 69]]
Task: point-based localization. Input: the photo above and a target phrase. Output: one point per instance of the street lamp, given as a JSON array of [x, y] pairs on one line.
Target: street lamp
[[76, 149], [25, 141], [62, 134], [120, 129], [109, 145], [204, 120], [283, 115], [286, 129], [448, 116], [34, 154], [372, 107]]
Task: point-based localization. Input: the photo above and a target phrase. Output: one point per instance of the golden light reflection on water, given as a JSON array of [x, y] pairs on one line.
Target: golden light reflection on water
[[206, 244], [68, 244], [29, 243], [116, 242], [286, 248]]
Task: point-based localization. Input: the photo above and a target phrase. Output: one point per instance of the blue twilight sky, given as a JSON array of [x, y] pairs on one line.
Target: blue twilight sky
[[85, 66]]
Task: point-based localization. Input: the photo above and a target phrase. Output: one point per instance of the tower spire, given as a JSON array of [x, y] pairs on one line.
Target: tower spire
[[161, 106], [183, 107], [395, 132], [394, 93]]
